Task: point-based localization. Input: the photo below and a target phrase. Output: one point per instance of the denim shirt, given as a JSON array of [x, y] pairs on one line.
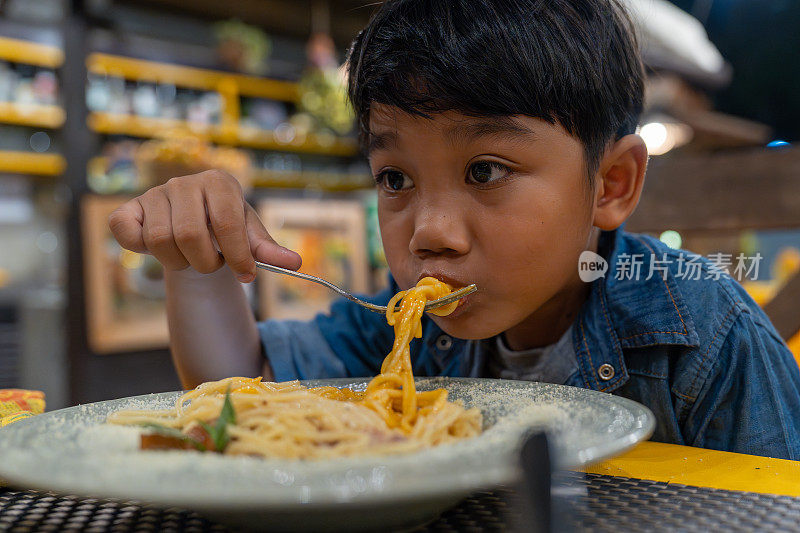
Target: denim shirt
[[698, 352]]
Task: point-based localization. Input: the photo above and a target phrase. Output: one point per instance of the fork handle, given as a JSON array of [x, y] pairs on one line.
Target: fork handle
[[308, 277]]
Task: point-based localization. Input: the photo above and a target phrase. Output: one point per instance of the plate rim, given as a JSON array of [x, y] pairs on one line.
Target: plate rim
[[490, 477]]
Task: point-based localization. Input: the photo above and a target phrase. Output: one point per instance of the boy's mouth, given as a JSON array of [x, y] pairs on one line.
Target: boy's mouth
[[454, 284], [462, 305]]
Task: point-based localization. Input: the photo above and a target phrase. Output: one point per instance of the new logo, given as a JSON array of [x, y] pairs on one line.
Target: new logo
[[591, 266]]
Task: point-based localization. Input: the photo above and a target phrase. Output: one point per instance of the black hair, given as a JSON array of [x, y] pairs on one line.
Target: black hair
[[575, 63]]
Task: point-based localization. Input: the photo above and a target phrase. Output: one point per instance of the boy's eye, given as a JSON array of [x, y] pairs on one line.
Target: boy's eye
[[394, 180], [484, 172]]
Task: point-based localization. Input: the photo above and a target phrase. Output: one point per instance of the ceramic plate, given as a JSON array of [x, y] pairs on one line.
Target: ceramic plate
[[72, 451]]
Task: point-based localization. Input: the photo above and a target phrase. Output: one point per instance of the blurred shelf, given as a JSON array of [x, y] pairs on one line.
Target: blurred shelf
[[230, 86], [311, 144], [191, 77], [146, 127], [30, 53], [31, 163], [265, 179], [134, 126], [34, 115], [327, 181]]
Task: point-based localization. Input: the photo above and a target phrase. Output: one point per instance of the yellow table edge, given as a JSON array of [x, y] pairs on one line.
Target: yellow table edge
[[700, 467]]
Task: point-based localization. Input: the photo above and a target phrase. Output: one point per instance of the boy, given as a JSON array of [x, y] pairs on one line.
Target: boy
[[501, 137]]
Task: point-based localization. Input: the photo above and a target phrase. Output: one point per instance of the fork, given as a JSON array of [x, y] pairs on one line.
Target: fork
[[433, 304]]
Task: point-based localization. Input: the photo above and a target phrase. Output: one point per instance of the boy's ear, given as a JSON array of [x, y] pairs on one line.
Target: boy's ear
[[619, 181]]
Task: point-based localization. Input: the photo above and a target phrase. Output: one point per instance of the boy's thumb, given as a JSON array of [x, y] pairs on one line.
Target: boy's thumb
[[263, 246]]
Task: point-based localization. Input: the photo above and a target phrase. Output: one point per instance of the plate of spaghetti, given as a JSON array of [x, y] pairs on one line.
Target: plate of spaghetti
[[347, 454]]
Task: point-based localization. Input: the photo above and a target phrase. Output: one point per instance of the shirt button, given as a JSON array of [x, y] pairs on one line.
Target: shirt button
[[605, 372], [444, 342]]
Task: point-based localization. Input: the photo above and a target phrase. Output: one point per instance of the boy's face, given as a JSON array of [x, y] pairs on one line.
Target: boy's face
[[500, 202]]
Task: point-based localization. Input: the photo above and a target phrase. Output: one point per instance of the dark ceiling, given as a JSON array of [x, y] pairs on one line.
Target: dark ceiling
[[761, 40]]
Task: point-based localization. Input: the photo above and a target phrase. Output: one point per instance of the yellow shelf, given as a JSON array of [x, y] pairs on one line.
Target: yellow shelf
[[327, 181], [312, 144], [19, 51], [191, 77], [229, 85], [31, 163], [113, 124], [35, 115], [135, 126]]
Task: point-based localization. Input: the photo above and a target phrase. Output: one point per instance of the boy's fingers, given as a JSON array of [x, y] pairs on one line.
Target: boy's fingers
[[226, 215], [189, 226], [125, 223], [264, 247], [157, 230]]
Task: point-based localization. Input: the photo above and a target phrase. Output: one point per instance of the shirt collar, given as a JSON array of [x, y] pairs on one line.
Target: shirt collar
[[627, 313]]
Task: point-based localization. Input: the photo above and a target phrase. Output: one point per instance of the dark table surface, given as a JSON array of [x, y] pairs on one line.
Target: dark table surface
[[582, 502]]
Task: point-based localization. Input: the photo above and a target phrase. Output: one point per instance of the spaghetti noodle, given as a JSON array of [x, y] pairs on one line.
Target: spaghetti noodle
[[288, 420]]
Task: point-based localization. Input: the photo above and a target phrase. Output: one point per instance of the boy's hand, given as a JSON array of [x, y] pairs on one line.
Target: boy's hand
[[178, 222]]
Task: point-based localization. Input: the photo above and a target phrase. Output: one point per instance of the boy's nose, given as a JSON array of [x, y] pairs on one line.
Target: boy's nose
[[439, 231]]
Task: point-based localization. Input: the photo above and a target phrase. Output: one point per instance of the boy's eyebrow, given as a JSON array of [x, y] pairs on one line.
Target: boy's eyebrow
[[499, 127], [381, 141], [463, 132]]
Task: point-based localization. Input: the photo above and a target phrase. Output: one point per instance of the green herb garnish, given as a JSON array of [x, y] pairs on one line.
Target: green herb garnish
[[219, 431]]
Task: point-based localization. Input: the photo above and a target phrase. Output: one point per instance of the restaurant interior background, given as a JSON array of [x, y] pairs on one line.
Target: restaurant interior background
[[101, 99]]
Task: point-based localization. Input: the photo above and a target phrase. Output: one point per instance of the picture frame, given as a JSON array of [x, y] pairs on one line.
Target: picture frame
[[125, 294], [330, 235]]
